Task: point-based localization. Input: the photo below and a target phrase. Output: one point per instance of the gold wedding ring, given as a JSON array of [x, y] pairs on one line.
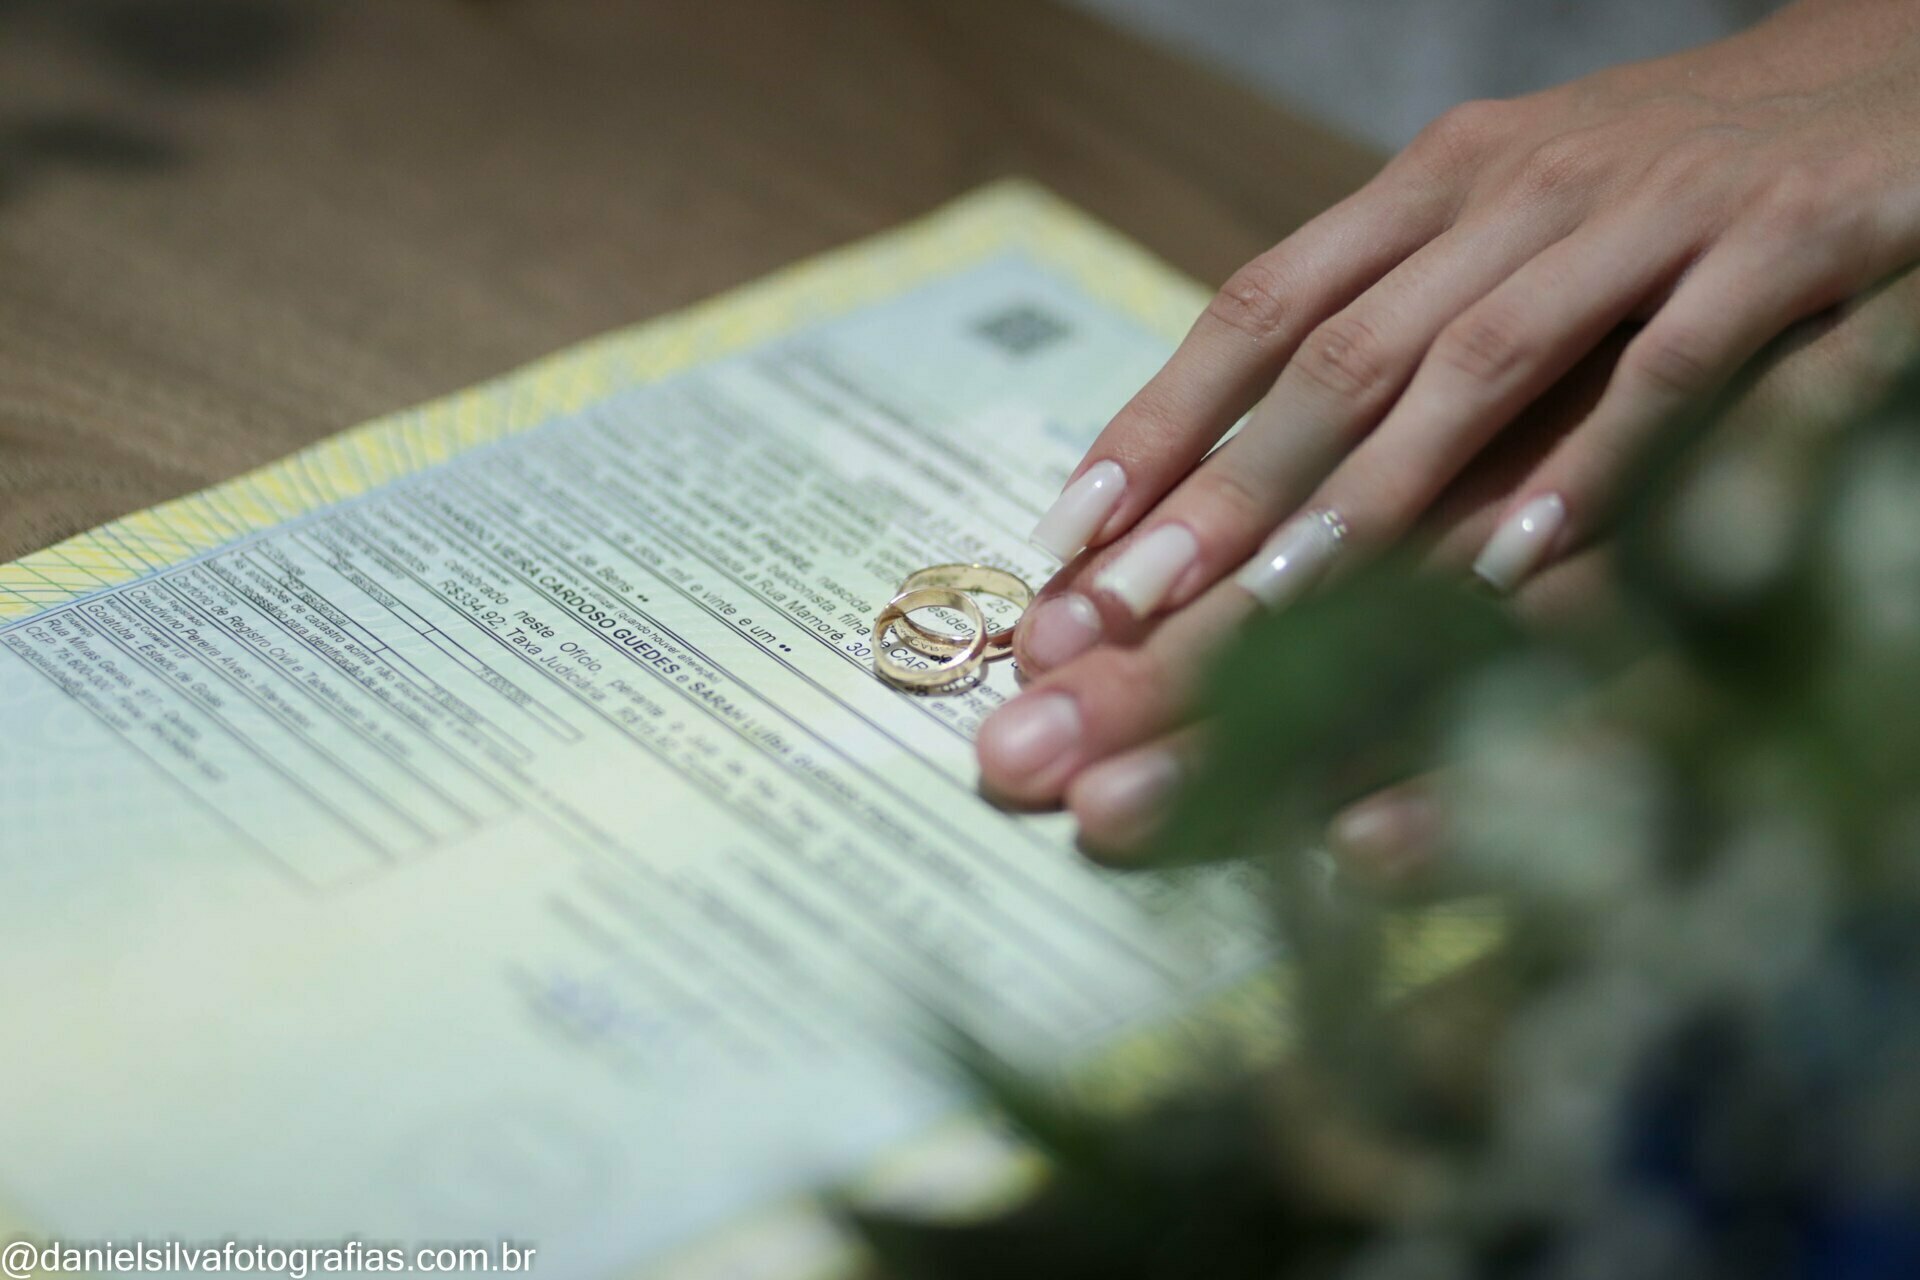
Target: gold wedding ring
[[980, 578], [962, 661]]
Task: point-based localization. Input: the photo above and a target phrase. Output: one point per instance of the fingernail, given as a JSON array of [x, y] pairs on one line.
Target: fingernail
[[1077, 514], [1142, 575], [1061, 629], [1119, 803], [1029, 734], [1293, 558], [1388, 837], [1521, 542]]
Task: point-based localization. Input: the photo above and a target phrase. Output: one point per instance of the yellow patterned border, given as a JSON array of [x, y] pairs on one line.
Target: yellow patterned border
[[1008, 215]]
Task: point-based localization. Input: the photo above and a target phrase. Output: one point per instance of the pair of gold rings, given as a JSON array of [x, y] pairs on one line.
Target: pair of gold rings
[[957, 656]]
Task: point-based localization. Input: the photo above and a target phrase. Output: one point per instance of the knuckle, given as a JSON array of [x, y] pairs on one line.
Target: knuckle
[[1226, 498], [1829, 199], [1673, 171], [1488, 344], [1466, 130], [1797, 202], [1680, 164], [1562, 164], [1344, 356], [1253, 301], [1675, 361], [1679, 182]]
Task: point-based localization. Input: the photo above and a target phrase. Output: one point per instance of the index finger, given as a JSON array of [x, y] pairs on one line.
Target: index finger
[[1233, 353]]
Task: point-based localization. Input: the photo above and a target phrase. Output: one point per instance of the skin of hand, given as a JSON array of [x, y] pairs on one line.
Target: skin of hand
[[1472, 350], [1822, 378], [1819, 377]]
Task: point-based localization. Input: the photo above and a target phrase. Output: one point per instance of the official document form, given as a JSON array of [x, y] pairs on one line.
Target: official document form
[[487, 825]]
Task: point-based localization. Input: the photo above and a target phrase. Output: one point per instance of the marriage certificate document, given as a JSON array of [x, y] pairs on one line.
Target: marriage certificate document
[[487, 824]]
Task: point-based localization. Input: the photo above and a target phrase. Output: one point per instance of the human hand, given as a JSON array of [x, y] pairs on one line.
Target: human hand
[[1769, 441], [1720, 196], [1766, 460]]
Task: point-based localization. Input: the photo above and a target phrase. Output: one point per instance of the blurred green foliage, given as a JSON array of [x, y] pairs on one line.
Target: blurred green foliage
[[1697, 1051]]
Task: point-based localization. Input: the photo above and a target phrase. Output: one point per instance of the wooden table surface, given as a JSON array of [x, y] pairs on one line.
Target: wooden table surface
[[230, 227]]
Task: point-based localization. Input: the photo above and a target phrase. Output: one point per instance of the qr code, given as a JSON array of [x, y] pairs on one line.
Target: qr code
[[1022, 330]]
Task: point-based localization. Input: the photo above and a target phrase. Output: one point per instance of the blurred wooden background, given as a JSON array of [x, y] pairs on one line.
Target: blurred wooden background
[[230, 227]]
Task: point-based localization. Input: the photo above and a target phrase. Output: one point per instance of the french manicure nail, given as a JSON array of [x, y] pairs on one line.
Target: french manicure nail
[[1030, 734], [1142, 575], [1521, 542], [1122, 800], [1077, 514], [1061, 629], [1293, 558]]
